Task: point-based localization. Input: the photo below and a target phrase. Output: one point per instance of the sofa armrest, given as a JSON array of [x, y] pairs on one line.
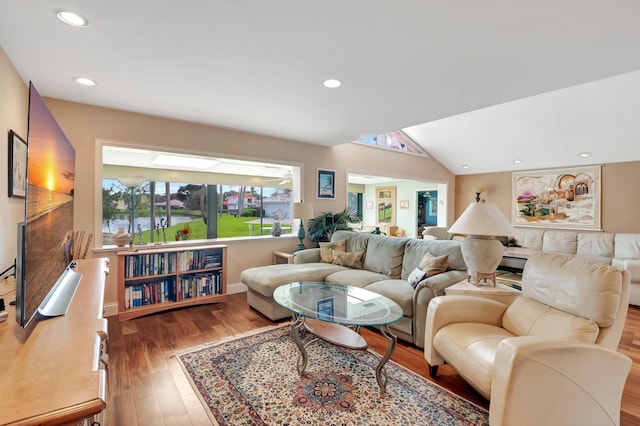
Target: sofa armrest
[[445, 310], [569, 381], [426, 290], [311, 255]]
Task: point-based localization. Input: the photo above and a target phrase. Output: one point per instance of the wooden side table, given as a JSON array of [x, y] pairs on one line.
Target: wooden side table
[[282, 257], [500, 292]]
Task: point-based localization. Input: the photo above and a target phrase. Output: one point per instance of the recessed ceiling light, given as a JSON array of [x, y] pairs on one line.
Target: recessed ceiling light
[[465, 166], [517, 161], [71, 18], [585, 154], [84, 81], [332, 83], [182, 161]]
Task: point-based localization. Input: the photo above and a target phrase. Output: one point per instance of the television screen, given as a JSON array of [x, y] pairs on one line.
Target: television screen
[[45, 236]]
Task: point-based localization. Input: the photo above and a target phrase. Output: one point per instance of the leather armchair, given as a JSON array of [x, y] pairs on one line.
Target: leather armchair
[[549, 357]]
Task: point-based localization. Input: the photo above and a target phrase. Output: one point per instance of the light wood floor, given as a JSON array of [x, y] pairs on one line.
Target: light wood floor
[[147, 387]]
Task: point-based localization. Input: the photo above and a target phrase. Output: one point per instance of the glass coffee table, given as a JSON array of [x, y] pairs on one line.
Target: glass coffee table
[[335, 313]]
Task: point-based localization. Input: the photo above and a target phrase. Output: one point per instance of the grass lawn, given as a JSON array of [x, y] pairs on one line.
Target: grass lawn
[[228, 226]]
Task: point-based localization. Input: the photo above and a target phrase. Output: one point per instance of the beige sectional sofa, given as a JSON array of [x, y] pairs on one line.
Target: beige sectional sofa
[[387, 264], [621, 250]]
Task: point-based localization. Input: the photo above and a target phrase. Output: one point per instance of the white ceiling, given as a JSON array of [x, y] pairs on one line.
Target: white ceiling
[[492, 80]]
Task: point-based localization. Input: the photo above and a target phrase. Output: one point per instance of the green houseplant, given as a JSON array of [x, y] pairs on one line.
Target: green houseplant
[[321, 227]]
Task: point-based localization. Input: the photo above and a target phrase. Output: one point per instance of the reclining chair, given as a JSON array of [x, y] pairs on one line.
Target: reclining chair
[[548, 358]]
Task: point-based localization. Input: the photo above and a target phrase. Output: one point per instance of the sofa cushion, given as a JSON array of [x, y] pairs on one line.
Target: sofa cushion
[[355, 241], [327, 249], [585, 288], [350, 259], [434, 265], [415, 250], [265, 279], [384, 255], [529, 237], [627, 246], [597, 245], [560, 242], [528, 317], [354, 277], [400, 291]]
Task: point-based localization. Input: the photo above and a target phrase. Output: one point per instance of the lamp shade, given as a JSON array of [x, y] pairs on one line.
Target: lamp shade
[[132, 181], [482, 219], [301, 210]]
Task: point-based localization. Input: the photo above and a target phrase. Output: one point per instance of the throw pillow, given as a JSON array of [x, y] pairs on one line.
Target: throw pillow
[[326, 250], [416, 276], [350, 259], [434, 265]]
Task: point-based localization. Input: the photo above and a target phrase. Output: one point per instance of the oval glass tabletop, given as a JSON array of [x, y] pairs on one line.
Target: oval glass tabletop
[[337, 303]]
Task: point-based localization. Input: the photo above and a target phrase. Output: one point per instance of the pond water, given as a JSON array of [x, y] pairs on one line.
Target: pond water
[[144, 223]]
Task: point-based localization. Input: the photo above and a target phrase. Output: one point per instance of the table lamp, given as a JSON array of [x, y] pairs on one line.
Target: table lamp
[[482, 252], [301, 211]]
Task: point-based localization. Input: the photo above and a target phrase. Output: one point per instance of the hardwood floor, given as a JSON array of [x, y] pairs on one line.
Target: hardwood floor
[[147, 386]]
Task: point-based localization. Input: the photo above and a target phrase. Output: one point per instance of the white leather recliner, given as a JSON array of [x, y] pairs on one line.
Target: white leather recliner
[[550, 357]]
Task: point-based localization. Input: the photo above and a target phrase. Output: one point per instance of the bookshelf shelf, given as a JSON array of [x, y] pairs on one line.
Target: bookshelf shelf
[[156, 279]]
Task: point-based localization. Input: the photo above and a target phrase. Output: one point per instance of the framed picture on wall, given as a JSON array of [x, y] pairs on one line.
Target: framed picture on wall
[[326, 184], [17, 166], [404, 204], [566, 198]]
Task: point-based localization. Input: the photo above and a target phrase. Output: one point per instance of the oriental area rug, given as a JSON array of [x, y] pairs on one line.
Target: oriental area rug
[[252, 380]]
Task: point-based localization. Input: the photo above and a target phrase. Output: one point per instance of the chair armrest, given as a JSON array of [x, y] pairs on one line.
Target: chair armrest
[[568, 382], [311, 255], [445, 310]]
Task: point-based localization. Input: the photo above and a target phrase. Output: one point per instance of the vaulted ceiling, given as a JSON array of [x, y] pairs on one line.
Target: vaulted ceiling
[[476, 83]]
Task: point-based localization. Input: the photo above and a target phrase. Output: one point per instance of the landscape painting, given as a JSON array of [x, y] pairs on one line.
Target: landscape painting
[[559, 198]]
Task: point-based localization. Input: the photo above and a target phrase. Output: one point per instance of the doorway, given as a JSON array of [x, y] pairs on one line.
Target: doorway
[[427, 203]]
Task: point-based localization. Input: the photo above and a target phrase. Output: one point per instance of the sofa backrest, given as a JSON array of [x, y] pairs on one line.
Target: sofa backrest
[[415, 249], [382, 254], [398, 256], [627, 246], [436, 233], [571, 297]]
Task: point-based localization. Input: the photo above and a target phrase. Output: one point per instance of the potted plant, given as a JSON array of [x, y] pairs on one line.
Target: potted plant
[[321, 227]]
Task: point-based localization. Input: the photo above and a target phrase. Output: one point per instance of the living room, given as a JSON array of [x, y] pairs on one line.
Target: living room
[[85, 124]]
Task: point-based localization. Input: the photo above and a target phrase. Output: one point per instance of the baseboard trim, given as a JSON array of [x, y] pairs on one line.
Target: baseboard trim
[[111, 309]]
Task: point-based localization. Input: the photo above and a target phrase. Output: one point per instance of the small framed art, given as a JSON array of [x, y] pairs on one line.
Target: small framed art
[[326, 184], [17, 166], [324, 308]]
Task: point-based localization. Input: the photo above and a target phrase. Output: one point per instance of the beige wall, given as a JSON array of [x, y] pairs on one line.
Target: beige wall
[[620, 200], [84, 124], [13, 116]]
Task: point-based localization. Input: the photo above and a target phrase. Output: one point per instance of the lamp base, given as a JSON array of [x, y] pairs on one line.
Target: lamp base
[[482, 255], [478, 277], [300, 245]]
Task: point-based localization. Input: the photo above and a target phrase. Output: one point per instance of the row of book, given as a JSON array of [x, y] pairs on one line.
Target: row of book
[[166, 290], [149, 264]]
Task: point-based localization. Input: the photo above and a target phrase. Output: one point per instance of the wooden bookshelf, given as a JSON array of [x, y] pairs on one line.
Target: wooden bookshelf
[[155, 279]]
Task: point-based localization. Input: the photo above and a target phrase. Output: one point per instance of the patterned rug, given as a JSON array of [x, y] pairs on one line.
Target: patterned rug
[[252, 380]]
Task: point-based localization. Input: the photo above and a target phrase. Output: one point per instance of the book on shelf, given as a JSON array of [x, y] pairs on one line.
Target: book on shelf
[[166, 290]]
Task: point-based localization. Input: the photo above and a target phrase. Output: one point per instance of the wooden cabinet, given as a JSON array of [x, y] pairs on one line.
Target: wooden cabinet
[[54, 371], [156, 279]]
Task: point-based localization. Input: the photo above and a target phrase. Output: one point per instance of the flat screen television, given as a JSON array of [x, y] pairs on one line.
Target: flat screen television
[[45, 280]]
